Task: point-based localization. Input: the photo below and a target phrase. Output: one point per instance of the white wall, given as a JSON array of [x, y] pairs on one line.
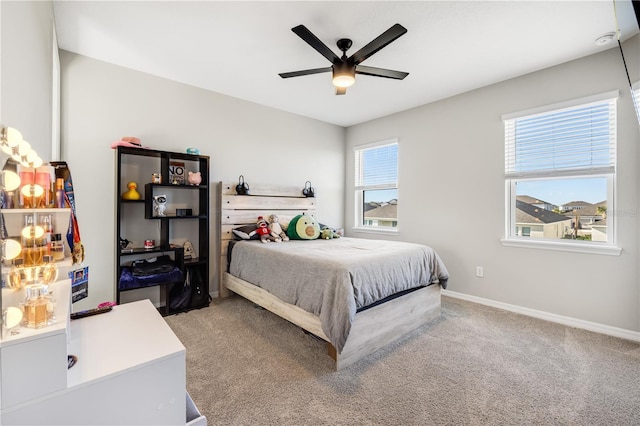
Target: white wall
[[451, 193], [27, 38], [102, 103], [451, 161]]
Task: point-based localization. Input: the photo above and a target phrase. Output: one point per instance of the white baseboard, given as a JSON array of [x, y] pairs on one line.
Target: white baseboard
[[568, 321]]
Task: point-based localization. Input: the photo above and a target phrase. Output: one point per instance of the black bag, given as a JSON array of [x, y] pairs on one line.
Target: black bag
[[180, 294], [199, 297]]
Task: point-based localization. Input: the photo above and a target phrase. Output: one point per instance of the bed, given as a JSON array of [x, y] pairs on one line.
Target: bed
[[356, 294]]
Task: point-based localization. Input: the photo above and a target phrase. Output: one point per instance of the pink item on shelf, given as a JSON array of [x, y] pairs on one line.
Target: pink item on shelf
[[129, 141], [106, 304]]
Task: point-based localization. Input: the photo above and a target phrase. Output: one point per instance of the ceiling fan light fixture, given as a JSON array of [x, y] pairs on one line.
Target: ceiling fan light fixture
[[344, 75], [344, 80]]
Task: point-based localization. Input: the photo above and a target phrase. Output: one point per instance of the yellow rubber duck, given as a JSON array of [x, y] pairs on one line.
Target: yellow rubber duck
[[131, 194]]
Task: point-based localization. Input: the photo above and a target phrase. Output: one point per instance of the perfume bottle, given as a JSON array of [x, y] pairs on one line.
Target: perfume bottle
[[60, 193], [43, 178], [57, 247], [35, 306], [27, 177]]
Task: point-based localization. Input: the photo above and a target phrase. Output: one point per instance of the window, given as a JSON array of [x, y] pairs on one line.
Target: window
[[635, 96], [376, 185], [560, 174]]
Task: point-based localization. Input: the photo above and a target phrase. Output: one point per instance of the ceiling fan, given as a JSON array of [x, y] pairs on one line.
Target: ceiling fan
[[344, 69]]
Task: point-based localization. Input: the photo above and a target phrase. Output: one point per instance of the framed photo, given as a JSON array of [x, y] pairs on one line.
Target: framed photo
[[176, 172]]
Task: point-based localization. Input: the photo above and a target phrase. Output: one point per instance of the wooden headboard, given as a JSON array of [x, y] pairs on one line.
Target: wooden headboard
[[237, 210]]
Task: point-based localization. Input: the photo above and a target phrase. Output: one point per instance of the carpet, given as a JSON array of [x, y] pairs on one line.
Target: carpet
[[474, 365]]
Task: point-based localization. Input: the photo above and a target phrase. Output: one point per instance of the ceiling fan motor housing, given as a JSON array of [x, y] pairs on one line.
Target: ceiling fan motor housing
[[344, 44]]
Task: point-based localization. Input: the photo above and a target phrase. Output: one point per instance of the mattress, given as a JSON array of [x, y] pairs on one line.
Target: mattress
[[334, 278]]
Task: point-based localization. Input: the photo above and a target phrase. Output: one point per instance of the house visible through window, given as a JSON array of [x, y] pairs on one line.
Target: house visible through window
[[376, 185], [560, 170]]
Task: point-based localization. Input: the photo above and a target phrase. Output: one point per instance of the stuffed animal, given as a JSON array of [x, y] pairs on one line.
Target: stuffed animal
[[194, 178], [275, 229], [303, 227], [263, 231], [328, 233]]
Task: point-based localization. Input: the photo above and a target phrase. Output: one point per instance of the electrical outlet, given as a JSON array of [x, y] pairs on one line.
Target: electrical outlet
[[479, 271]]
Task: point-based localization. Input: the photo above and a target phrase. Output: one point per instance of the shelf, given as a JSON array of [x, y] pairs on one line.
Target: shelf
[[61, 291], [172, 186], [142, 250], [140, 165], [194, 262], [36, 211], [173, 217]]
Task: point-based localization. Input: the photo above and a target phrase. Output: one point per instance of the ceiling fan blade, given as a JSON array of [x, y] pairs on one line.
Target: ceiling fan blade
[[381, 72], [341, 90], [304, 72], [315, 42], [378, 43]]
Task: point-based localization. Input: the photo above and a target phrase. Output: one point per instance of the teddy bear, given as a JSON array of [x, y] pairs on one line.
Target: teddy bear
[[275, 229], [263, 231], [328, 233]]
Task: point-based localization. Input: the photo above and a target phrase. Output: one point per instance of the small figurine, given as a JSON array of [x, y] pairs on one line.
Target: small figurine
[[194, 178], [124, 243], [131, 194], [275, 229], [189, 251], [159, 204], [263, 231]]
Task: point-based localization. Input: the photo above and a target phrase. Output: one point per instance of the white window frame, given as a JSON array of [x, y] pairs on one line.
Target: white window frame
[[511, 239], [635, 98], [359, 190]]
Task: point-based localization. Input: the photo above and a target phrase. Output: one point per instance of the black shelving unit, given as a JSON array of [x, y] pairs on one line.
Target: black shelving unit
[[138, 165]]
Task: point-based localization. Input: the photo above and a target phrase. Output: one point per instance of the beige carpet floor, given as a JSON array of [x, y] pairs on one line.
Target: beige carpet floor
[[475, 365]]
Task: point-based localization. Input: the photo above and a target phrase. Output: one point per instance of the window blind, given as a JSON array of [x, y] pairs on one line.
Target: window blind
[[376, 167], [563, 142], [635, 95]]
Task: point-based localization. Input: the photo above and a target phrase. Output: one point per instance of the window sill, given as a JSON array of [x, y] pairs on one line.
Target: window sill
[[370, 230], [591, 248]]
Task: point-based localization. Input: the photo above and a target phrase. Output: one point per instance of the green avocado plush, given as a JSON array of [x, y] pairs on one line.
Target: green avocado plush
[[303, 227]]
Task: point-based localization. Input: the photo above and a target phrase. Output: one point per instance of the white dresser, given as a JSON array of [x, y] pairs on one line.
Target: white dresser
[[130, 370]]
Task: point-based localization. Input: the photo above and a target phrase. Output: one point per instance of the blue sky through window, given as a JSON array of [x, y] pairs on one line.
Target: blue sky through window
[[562, 191]]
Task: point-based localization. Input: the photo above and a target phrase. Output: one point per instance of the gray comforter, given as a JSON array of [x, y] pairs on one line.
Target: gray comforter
[[334, 278]]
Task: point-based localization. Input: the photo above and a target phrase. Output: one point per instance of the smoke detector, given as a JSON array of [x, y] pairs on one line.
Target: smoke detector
[[605, 38]]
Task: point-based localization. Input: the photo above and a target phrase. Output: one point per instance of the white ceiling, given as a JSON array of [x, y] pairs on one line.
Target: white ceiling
[[237, 48]]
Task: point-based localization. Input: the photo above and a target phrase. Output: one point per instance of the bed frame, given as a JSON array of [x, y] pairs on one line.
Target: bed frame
[[371, 329]]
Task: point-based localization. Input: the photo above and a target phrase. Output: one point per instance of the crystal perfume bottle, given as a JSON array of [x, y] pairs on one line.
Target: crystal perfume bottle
[[35, 306]]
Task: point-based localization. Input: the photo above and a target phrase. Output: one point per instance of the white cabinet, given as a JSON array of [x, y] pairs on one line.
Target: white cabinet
[[34, 361], [130, 370]]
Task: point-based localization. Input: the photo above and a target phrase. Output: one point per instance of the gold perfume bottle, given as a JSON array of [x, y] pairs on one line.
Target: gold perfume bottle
[[35, 306]]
